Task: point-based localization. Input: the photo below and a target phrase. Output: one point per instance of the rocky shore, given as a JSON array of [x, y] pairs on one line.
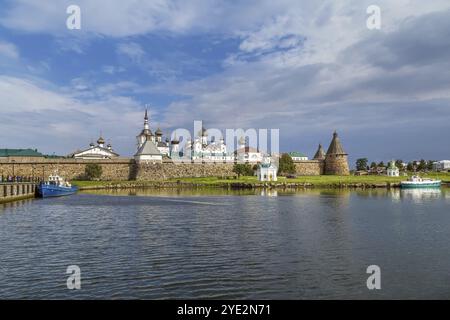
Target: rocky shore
[[232, 185]]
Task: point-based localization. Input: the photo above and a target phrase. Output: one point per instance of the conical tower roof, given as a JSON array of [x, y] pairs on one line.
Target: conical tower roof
[[320, 154], [335, 146]]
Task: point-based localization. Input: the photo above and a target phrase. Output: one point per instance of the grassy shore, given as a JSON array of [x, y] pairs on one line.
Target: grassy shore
[[309, 181]]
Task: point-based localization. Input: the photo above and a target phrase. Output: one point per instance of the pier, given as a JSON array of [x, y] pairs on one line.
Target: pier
[[13, 191]]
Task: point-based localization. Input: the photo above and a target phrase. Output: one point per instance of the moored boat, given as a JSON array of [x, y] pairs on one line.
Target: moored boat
[[418, 182], [56, 186]]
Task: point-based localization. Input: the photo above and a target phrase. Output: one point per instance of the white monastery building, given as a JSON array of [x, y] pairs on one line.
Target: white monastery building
[[97, 152], [246, 153], [297, 156], [208, 151]]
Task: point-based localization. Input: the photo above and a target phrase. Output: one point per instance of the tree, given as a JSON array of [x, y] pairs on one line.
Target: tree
[[399, 164], [410, 166], [361, 164], [373, 165], [243, 169], [430, 164], [286, 165], [422, 165], [93, 171], [381, 164]]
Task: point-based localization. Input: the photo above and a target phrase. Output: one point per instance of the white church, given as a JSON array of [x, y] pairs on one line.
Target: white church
[[208, 151], [150, 147], [96, 151]]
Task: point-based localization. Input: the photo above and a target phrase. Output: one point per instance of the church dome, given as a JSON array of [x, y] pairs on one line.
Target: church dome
[[101, 140], [158, 132]]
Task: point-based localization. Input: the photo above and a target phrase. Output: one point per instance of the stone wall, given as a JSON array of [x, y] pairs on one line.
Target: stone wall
[[117, 169], [167, 170], [126, 169], [309, 168]]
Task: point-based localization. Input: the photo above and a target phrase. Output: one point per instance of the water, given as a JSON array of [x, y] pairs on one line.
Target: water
[[233, 245]]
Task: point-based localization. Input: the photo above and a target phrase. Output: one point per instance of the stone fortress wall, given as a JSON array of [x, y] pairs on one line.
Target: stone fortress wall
[[334, 162], [114, 169], [127, 169]]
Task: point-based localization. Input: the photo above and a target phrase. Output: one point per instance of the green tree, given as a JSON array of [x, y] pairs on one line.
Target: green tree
[[243, 169], [93, 171], [381, 164], [373, 165], [399, 164], [286, 165], [361, 164], [422, 165], [430, 164], [410, 166]]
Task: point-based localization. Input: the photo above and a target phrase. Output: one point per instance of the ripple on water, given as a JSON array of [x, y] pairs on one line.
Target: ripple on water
[[310, 245]]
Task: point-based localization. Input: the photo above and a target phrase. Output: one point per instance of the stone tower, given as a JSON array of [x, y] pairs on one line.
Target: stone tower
[[320, 154], [336, 161]]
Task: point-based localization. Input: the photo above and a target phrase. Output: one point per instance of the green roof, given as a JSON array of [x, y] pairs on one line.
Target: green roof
[[296, 154], [20, 153]]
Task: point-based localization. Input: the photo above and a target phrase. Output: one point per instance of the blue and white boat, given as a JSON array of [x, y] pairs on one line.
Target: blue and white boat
[[55, 186], [418, 182]]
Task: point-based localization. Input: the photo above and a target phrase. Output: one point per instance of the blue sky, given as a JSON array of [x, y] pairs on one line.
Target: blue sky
[[304, 67]]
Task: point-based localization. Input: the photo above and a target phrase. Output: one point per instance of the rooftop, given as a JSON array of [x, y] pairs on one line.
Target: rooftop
[[20, 153], [296, 154]]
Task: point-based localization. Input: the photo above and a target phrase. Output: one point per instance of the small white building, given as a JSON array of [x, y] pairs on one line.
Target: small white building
[[297, 156], [97, 152], [443, 165], [392, 170], [267, 171]]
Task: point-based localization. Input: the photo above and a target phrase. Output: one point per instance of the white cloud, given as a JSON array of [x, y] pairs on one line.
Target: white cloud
[[55, 120], [301, 65], [8, 50], [132, 50]]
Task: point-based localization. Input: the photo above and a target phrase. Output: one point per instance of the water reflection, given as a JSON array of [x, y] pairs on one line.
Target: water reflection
[[269, 193], [215, 243], [418, 195]]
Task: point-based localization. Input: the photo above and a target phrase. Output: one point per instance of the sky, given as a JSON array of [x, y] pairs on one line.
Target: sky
[[305, 67]]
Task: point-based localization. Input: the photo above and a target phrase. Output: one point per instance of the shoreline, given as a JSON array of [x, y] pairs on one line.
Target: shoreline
[[236, 185]]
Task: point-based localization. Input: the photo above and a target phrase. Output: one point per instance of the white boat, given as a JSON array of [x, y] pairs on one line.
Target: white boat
[[418, 182]]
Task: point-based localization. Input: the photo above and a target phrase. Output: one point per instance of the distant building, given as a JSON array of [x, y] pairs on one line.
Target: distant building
[[99, 151], [175, 148], [20, 153], [246, 153], [208, 151], [163, 146], [267, 171], [297, 156], [392, 170], [148, 144], [443, 165]]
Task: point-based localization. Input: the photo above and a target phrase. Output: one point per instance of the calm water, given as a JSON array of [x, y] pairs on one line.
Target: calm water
[[218, 244]]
